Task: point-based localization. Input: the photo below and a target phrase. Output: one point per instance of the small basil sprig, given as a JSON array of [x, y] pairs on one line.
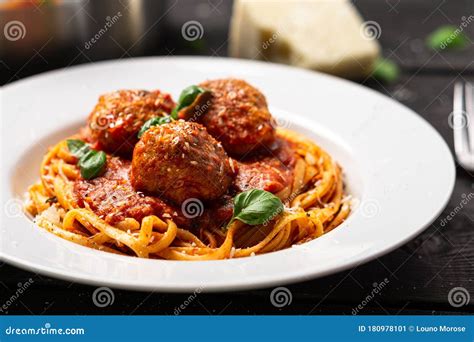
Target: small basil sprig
[[77, 147], [385, 71], [255, 207], [156, 121], [187, 97], [91, 162], [447, 37]]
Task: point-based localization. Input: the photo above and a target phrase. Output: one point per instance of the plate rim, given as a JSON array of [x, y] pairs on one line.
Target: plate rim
[[89, 279]]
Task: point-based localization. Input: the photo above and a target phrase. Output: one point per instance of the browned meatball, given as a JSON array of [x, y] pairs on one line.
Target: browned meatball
[[180, 161], [118, 116], [238, 116]]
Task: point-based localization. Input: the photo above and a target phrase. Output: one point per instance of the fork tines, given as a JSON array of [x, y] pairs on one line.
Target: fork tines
[[462, 121]]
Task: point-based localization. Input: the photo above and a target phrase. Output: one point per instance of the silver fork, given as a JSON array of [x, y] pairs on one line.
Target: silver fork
[[462, 122]]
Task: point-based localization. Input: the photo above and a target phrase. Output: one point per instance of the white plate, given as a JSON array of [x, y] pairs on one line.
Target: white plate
[[396, 164]]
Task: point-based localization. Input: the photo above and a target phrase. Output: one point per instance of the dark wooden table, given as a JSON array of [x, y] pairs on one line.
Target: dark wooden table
[[420, 274]]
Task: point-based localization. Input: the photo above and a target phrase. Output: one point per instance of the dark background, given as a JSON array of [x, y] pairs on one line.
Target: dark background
[[420, 274]]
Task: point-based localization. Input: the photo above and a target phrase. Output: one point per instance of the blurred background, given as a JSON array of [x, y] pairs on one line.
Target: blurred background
[[40, 35], [411, 50]]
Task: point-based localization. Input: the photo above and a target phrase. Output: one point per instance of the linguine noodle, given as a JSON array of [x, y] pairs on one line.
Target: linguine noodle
[[314, 205]]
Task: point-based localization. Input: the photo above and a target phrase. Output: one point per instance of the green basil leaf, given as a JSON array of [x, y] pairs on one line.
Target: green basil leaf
[[447, 37], [156, 121], [385, 71], [187, 97], [255, 207], [92, 163], [77, 147]]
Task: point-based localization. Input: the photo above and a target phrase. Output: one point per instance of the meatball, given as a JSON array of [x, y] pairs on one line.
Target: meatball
[[118, 116], [179, 161], [112, 197], [238, 116]]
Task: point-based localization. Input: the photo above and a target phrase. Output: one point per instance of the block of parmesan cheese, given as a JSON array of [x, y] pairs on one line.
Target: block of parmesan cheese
[[324, 35]]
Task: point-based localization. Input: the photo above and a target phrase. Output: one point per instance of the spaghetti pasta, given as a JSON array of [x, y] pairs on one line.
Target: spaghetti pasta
[[314, 205]]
